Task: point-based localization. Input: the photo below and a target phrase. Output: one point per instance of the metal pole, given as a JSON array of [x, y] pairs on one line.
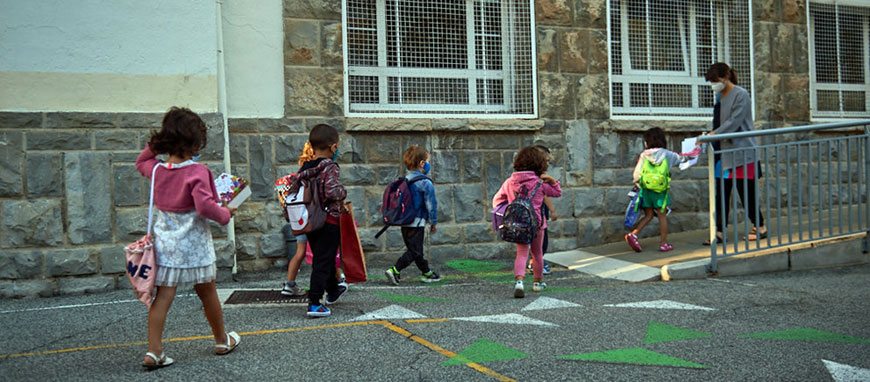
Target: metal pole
[[222, 108], [711, 202]]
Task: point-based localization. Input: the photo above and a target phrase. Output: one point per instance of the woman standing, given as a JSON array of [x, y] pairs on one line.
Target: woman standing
[[733, 113]]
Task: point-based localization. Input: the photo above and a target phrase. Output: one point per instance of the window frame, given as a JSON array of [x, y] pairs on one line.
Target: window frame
[[648, 76], [429, 110], [838, 116]]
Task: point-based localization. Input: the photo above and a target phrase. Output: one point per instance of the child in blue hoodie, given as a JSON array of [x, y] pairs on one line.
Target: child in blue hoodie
[[423, 192]]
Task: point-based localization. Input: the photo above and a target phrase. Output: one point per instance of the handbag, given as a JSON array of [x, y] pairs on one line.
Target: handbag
[[141, 261], [352, 257]]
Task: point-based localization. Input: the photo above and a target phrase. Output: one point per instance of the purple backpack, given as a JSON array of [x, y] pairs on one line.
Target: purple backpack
[[398, 203], [520, 224]]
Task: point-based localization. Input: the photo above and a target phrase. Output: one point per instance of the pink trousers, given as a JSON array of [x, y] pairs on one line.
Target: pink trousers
[[537, 250]]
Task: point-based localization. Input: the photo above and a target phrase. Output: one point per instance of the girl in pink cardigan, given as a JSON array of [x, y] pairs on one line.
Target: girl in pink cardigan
[[184, 197], [529, 166]]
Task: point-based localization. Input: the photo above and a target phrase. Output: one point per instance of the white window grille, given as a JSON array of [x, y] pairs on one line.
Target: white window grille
[[439, 58], [839, 49], [661, 49]]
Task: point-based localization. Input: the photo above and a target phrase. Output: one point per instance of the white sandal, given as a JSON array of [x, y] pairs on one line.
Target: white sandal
[[227, 348], [159, 362]]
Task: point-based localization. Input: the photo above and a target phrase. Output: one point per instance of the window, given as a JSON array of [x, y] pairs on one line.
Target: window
[[431, 58], [661, 49], [839, 59]]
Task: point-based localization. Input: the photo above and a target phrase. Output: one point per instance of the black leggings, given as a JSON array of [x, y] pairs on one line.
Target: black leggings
[[749, 200], [324, 244]]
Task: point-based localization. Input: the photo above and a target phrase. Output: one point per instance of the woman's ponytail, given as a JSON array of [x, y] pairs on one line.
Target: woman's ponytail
[[732, 76]]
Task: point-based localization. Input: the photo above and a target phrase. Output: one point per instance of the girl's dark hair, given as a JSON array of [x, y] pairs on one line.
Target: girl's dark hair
[[655, 138], [531, 158], [183, 133], [322, 136], [721, 70]]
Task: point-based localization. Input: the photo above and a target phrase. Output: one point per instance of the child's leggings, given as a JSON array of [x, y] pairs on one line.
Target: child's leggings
[[523, 256]]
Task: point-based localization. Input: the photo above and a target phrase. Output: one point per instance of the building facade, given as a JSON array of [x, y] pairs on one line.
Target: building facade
[[472, 81]]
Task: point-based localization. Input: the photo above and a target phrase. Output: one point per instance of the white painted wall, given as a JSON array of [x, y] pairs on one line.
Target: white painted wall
[[108, 55], [254, 57]]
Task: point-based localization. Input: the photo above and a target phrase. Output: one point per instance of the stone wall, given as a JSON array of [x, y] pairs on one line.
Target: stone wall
[[70, 196]]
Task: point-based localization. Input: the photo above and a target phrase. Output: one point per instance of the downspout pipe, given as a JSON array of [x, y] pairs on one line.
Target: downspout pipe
[[222, 109]]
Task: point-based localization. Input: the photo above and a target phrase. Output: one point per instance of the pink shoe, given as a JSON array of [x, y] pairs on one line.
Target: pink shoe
[[631, 239], [666, 247]]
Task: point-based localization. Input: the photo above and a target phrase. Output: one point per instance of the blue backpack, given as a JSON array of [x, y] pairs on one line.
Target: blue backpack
[[520, 223], [398, 204]]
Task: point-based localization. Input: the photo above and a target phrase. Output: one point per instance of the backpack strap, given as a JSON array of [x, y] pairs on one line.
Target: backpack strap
[[419, 178], [151, 198], [537, 185]]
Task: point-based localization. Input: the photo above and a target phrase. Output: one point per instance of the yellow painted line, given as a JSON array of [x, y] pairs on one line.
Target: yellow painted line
[[181, 339], [418, 320], [446, 353]]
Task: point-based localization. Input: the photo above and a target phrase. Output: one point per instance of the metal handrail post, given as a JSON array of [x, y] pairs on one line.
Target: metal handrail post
[[711, 197]]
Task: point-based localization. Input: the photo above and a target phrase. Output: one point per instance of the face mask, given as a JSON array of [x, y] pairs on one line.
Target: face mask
[[717, 87], [335, 155], [426, 168], [195, 157]]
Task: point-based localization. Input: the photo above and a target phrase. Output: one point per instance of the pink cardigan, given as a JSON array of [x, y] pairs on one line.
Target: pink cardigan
[[183, 189], [527, 178]]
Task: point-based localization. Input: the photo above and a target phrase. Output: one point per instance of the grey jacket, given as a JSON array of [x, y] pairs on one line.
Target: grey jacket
[[736, 115]]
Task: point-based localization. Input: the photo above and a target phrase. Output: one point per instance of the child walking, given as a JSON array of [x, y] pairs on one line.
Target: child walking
[[184, 197], [549, 213], [423, 192], [290, 288], [529, 167], [324, 242], [652, 175]]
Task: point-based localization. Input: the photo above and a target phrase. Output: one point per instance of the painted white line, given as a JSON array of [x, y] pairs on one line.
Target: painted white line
[[509, 318], [604, 267], [731, 282], [392, 312], [843, 373], [549, 303], [660, 304], [78, 305], [361, 287]]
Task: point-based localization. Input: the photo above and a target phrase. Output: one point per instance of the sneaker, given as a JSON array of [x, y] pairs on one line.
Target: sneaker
[[519, 290], [392, 275], [342, 282], [547, 270], [331, 299], [316, 311], [430, 277], [539, 287], [631, 239], [293, 290]]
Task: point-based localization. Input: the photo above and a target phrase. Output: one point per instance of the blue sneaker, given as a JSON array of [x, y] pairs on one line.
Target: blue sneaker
[[331, 299], [547, 268], [316, 311]]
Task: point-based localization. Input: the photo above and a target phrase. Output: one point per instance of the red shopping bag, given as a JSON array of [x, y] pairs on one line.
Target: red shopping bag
[[352, 256]]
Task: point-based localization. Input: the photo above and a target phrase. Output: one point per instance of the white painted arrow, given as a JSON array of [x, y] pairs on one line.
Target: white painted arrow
[[843, 373], [660, 304], [392, 312], [549, 303], [509, 318]]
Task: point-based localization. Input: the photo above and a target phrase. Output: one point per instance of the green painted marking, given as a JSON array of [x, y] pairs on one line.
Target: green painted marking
[[566, 289], [472, 266], [484, 350], [400, 298], [808, 334], [658, 332], [635, 356], [500, 277]]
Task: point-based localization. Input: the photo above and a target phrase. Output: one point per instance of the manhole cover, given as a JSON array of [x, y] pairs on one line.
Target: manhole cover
[[264, 297]]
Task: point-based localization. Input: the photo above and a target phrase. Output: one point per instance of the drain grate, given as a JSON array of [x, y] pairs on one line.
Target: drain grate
[[264, 297]]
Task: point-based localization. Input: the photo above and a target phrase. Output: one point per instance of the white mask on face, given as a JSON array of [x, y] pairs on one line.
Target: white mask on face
[[717, 87]]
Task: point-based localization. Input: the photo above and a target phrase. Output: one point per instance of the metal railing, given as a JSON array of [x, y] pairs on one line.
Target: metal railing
[[806, 187]]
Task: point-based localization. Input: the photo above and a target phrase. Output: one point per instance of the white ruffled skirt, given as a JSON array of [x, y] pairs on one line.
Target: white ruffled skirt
[[171, 276]]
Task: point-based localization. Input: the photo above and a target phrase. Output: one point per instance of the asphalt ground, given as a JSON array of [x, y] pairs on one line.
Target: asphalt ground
[[101, 337]]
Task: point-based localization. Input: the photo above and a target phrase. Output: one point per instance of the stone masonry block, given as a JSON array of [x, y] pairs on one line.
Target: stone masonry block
[[301, 42], [383, 148], [593, 97], [350, 149], [130, 223], [116, 140], [282, 125], [262, 175], [553, 12], [570, 227], [591, 232], [478, 233], [368, 240], [11, 163], [444, 196], [547, 52], [564, 205], [557, 96], [113, 259], [446, 234], [597, 61], [43, 173], [128, 181], [251, 217], [50, 140], [272, 245], [357, 196], [246, 247], [469, 202], [579, 154], [313, 92], [445, 166], [394, 239], [33, 223], [357, 175], [590, 14], [140, 120], [488, 251], [88, 197], [70, 262], [223, 251], [21, 264], [493, 173], [18, 289], [454, 141], [75, 120], [606, 148], [573, 44], [86, 285], [330, 45], [388, 174], [588, 202], [288, 148], [313, 9], [374, 199], [13, 120], [439, 254], [472, 167]]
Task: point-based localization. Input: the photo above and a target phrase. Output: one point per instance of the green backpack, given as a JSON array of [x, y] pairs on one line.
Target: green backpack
[[656, 178]]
